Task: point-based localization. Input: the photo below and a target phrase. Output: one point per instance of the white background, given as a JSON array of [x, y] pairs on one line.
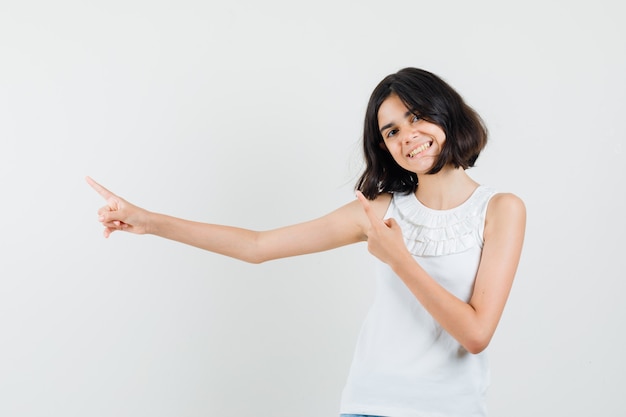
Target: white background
[[250, 113]]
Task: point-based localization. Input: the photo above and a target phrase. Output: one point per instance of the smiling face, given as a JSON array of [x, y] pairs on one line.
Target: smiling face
[[413, 142]]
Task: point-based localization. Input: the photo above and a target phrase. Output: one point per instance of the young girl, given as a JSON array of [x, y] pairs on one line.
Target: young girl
[[448, 251]]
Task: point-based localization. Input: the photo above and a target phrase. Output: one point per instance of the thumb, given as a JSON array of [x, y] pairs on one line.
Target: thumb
[[111, 213], [114, 203], [391, 223], [367, 208]]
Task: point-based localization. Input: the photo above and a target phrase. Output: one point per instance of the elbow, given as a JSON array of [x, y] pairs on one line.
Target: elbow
[[258, 250], [255, 259], [477, 343], [257, 256], [254, 253], [475, 348]]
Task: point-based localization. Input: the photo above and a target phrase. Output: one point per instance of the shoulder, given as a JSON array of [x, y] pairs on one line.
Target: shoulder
[[505, 203], [381, 204], [505, 211]]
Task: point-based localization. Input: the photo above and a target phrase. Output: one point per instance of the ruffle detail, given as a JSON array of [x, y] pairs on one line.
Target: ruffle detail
[[429, 232]]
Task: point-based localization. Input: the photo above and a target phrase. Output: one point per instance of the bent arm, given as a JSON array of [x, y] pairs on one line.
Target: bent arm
[[473, 323]]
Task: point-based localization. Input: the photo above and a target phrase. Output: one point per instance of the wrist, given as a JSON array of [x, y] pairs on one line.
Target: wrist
[[402, 262], [151, 221]]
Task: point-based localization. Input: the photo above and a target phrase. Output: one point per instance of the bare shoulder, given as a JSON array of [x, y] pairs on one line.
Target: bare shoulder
[[506, 204], [506, 213], [380, 204]]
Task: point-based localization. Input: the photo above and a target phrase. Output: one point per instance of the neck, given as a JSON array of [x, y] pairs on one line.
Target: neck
[[446, 189]]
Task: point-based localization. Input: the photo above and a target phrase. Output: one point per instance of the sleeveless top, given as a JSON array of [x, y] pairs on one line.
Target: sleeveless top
[[406, 364]]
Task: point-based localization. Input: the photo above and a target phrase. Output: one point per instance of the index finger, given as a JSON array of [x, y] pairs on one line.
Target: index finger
[[99, 189]]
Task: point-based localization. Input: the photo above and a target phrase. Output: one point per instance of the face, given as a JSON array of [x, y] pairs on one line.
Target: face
[[413, 142]]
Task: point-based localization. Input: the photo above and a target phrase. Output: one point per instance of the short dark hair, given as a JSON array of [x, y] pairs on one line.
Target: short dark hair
[[428, 96]]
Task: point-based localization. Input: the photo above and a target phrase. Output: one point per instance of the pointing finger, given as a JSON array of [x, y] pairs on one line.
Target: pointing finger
[[106, 194]]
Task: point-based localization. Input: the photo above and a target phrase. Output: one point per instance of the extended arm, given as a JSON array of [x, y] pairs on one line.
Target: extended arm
[[471, 323], [340, 227]]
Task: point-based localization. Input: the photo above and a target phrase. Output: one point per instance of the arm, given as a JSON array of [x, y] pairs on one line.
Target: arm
[[473, 323], [340, 227]]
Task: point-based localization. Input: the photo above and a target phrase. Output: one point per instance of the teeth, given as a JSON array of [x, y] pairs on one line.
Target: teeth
[[420, 149]]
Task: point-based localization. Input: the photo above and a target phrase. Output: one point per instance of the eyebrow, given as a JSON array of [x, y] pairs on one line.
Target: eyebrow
[[388, 125]]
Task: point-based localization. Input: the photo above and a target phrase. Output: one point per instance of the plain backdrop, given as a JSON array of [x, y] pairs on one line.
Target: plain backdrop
[[250, 113]]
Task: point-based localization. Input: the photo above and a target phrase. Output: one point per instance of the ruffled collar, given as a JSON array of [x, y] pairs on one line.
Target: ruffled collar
[[429, 232]]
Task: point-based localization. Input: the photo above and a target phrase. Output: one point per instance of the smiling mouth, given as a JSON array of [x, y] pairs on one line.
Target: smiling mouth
[[419, 149]]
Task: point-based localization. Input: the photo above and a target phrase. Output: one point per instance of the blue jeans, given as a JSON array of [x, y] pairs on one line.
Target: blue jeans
[[356, 415]]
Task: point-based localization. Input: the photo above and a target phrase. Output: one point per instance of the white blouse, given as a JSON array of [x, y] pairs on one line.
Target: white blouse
[[406, 364]]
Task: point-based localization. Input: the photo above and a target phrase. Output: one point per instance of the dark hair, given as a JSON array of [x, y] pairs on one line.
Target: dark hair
[[434, 100]]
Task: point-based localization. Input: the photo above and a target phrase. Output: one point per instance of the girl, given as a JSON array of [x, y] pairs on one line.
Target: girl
[[448, 250]]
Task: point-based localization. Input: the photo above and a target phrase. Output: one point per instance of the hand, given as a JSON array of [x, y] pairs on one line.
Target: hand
[[384, 237], [119, 214]]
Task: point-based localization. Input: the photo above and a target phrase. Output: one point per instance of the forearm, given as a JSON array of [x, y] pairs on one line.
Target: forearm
[[456, 316], [257, 246], [225, 240]]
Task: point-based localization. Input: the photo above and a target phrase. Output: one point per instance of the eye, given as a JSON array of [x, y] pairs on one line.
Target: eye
[[391, 133], [415, 118]]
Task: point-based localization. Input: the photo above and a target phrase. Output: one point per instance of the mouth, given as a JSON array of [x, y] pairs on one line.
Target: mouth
[[419, 149]]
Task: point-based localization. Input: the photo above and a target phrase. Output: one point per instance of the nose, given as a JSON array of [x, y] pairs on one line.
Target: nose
[[410, 133]]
